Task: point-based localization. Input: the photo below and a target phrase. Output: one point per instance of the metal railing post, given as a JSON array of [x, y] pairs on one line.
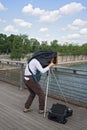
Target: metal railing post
[[21, 77]]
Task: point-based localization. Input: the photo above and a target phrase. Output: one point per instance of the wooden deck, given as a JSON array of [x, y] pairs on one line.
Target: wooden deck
[[12, 117]]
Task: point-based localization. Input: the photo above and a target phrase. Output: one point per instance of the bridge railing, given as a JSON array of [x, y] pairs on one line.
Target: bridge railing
[[65, 83], [12, 72], [68, 84]]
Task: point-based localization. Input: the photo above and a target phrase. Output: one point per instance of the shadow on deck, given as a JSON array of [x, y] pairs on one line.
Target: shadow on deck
[[12, 117]]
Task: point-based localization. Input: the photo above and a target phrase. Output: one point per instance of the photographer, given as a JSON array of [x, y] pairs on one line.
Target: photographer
[[33, 86]]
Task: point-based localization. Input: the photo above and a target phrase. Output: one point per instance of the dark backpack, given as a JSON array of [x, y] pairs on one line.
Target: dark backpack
[[59, 113]]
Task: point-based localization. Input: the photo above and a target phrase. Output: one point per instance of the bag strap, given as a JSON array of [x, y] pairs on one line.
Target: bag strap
[[34, 77], [30, 70]]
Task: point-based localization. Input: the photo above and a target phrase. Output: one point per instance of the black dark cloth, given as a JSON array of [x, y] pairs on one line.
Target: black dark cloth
[[45, 57]]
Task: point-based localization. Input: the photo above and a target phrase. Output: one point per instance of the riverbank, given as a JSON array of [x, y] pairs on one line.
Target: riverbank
[[68, 63], [72, 59], [61, 59]]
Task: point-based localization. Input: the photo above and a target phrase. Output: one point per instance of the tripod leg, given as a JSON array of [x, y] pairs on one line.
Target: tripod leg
[[45, 107], [59, 87]]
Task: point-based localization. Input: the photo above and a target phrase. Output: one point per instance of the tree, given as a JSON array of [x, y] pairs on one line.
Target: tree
[[35, 44], [54, 45], [20, 45], [44, 46], [3, 48], [17, 49]]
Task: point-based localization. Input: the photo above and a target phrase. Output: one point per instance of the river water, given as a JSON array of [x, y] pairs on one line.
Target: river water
[[73, 85], [64, 82], [80, 66]]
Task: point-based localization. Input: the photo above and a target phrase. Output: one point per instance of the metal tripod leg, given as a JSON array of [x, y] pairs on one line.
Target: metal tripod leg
[[45, 107], [59, 87]]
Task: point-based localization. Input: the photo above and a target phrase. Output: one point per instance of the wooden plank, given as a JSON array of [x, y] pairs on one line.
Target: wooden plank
[[12, 117]]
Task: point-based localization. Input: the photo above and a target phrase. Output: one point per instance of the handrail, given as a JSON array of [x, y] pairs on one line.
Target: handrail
[[59, 65], [73, 85], [69, 68]]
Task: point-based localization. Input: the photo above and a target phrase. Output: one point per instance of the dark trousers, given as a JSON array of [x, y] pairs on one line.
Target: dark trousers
[[34, 89]]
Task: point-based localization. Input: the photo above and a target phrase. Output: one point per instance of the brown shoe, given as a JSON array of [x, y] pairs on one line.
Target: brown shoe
[[27, 110], [41, 111]]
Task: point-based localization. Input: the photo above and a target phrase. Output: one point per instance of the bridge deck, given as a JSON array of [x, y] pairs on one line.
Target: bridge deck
[[12, 118]]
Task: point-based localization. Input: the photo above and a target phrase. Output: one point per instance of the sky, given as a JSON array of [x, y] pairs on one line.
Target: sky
[[45, 20]]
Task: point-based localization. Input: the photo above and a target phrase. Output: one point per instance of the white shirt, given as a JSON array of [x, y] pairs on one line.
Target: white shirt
[[34, 65]]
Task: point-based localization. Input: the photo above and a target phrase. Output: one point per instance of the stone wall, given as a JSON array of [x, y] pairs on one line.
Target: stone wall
[[71, 58]]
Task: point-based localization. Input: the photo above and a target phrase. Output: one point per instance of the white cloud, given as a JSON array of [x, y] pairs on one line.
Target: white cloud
[[2, 6], [51, 16], [22, 23], [71, 8], [48, 35], [79, 22], [30, 10], [80, 37], [43, 29], [73, 36], [10, 28], [83, 31], [44, 15], [72, 27], [76, 24], [45, 38], [70, 37]]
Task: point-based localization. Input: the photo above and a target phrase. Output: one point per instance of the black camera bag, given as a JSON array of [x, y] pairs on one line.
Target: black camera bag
[[59, 113]]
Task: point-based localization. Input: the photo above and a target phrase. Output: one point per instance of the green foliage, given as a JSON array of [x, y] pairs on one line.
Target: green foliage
[[20, 45]]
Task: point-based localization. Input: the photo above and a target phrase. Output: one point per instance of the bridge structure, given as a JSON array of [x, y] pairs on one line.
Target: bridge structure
[[65, 83], [67, 86]]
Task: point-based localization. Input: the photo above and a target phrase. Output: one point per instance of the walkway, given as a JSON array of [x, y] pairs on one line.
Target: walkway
[[12, 118]]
